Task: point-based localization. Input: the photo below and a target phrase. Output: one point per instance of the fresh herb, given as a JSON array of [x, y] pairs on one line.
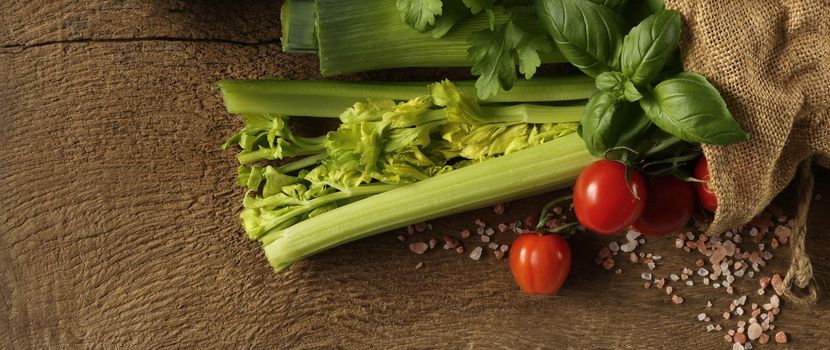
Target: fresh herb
[[689, 107], [649, 45], [588, 35], [495, 54], [629, 69], [419, 14]]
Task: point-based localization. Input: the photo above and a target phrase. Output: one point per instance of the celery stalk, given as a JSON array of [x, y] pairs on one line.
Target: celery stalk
[[299, 33], [360, 35], [541, 168], [324, 98]]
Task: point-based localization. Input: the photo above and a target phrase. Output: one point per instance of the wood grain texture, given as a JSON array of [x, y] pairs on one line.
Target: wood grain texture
[[119, 229]]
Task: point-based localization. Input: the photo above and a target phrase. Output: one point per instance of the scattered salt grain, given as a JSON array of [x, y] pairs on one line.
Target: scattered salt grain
[[419, 265], [628, 246], [777, 284], [485, 238], [703, 272], [465, 233], [780, 337], [493, 246], [419, 247], [646, 276], [504, 248], [489, 231], [475, 254], [701, 316], [676, 299], [690, 283], [614, 246], [432, 243]]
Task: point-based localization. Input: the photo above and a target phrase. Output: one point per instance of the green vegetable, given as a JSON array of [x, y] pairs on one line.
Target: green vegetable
[[316, 98], [685, 106], [361, 35], [379, 145], [298, 27], [602, 122], [453, 12], [494, 55], [690, 108], [382, 146], [419, 14], [538, 169], [476, 6], [615, 5], [649, 45], [588, 35]]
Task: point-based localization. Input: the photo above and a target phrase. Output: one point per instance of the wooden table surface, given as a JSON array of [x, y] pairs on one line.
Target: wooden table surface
[[119, 229]]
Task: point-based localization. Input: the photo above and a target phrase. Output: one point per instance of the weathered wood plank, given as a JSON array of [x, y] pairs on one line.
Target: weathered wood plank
[[39, 22], [118, 224]]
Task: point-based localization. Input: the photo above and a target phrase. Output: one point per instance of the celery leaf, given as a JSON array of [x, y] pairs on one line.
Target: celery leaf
[[495, 54], [419, 14]]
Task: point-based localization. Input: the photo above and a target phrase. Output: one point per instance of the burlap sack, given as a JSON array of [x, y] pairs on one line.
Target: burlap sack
[[771, 62]]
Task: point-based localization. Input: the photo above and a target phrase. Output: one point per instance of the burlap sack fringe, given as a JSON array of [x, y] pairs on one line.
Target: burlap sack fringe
[[771, 62]]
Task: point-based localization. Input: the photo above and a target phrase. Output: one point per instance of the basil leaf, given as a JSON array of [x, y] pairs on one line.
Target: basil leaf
[[637, 11], [630, 92], [618, 83], [649, 45], [601, 122], [634, 125], [610, 81], [588, 35], [615, 5], [689, 107]]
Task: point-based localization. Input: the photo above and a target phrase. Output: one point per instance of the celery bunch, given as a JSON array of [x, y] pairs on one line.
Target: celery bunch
[[359, 35], [385, 145]]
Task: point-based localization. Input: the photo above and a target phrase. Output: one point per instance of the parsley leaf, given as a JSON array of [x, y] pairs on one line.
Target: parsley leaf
[[477, 6], [419, 14], [494, 55]]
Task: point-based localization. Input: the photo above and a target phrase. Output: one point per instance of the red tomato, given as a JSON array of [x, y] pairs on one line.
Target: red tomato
[[602, 201], [669, 206], [540, 264], [704, 193]]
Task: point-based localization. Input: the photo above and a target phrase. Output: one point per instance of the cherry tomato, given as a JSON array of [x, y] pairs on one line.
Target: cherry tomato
[[540, 263], [602, 201], [705, 194], [670, 204]]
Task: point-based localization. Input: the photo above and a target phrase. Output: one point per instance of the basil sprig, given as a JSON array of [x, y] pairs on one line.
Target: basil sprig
[[636, 78]]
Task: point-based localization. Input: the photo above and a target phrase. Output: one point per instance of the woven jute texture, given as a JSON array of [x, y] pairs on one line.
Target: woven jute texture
[[771, 62]]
